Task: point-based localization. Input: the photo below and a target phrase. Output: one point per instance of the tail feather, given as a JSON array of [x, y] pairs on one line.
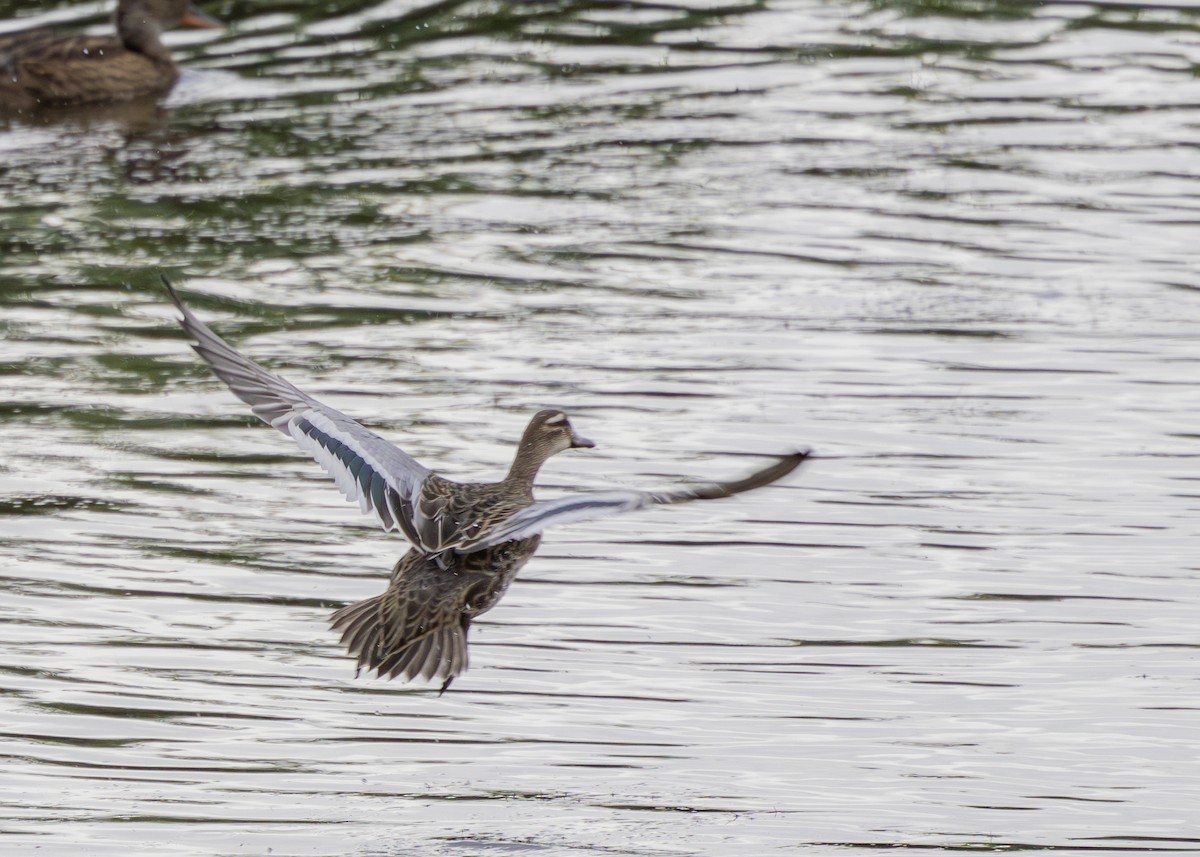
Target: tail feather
[[371, 634], [359, 623]]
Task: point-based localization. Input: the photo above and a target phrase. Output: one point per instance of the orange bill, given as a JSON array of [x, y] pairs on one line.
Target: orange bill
[[193, 17]]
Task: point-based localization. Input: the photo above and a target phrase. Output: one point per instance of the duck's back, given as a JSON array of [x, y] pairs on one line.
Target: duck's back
[[448, 512], [42, 67]]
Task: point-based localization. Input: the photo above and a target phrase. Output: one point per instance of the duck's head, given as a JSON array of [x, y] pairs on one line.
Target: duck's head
[[548, 433], [550, 430], [139, 22]]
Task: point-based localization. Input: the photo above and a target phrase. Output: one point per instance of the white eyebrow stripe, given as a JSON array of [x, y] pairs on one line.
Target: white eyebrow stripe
[[557, 419]]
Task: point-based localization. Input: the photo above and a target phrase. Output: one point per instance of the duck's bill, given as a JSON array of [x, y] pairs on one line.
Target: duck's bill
[[193, 17], [578, 442]]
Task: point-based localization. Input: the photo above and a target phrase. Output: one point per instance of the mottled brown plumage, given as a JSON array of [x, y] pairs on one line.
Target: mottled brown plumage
[[417, 628], [44, 68], [449, 515]]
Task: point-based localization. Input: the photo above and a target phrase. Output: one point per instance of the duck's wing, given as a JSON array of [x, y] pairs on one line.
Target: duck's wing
[[535, 518], [55, 67], [381, 478]]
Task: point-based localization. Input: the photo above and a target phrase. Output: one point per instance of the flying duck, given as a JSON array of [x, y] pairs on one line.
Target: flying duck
[[469, 539]]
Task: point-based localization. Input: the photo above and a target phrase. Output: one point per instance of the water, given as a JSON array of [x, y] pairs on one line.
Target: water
[[949, 246]]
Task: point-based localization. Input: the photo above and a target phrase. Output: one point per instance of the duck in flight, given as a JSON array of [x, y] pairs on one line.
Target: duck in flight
[[469, 539], [46, 68]]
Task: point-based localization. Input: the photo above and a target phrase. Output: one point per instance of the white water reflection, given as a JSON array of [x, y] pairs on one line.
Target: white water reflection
[[953, 253]]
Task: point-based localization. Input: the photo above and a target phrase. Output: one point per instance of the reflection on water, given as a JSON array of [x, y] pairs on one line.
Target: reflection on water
[[949, 246]]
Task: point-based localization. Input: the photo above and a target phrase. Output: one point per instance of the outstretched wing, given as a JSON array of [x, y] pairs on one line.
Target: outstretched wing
[[381, 478], [535, 518]]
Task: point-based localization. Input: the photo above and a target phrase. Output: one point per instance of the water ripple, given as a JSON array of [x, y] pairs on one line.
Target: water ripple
[[949, 246]]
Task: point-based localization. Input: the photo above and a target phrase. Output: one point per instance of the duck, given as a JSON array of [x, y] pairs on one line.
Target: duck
[[46, 68], [468, 539]]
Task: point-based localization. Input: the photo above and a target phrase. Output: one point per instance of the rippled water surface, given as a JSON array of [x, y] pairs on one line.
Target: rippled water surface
[[951, 246]]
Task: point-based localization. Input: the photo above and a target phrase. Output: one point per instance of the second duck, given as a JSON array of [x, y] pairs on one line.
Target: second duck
[[46, 68]]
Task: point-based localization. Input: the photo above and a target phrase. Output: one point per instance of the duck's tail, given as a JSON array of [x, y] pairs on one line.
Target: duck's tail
[[376, 633]]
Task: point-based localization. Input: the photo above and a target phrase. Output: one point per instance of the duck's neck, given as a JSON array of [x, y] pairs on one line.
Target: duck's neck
[[528, 461], [138, 32]]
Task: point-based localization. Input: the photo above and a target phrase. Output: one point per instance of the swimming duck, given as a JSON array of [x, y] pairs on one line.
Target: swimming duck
[[468, 539], [47, 68]]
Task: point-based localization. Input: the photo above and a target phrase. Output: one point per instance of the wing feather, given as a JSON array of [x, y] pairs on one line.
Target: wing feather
[[369, 470], [535, 518], [388, 483]]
